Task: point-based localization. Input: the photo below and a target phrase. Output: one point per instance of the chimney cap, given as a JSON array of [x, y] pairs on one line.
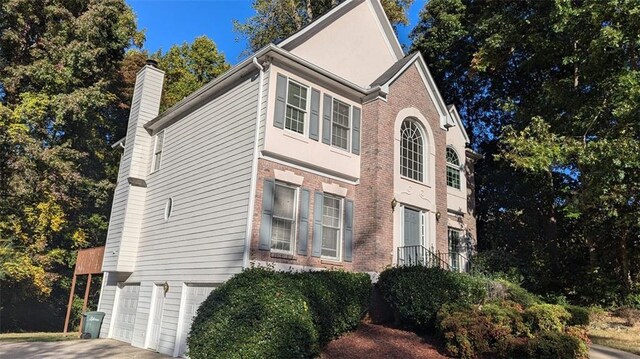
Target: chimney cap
[[152, 63]]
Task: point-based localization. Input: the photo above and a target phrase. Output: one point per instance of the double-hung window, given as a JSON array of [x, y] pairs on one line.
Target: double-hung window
[[340, 124], [411, 151], [157, 151], [296, 107], [453, 169], [454, 249], [331, 226], [283, 227]]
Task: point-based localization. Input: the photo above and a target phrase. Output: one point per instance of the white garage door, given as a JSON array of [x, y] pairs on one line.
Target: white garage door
[[195, 295], [126, 312]]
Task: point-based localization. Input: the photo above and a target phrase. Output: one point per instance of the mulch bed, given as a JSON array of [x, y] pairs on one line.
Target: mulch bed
[[373, 341]]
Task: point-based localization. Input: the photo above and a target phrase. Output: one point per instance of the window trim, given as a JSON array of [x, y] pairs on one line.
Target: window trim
[[421, 131], [295, 220], [168, 209], [307, 109], [450, 165], [155, 151], [350, 125], [340, 239]]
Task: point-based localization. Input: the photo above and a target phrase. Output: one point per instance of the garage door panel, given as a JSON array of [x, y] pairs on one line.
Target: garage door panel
[[195, 295], [126, 312]]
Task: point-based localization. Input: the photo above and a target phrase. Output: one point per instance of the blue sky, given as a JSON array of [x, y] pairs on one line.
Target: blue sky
[[169, 22]]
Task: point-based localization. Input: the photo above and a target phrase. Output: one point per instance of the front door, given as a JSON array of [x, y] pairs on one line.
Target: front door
[[412, 252]]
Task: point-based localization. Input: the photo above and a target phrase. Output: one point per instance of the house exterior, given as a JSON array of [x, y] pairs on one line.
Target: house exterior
[[330, 150]]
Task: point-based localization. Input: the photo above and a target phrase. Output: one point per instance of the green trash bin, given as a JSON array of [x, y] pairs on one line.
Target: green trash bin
[[91, 325]]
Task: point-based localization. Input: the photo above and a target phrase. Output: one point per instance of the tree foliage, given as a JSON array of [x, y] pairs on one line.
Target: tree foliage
[[275, 20], [189, 66], [63, 101], [552, 90]]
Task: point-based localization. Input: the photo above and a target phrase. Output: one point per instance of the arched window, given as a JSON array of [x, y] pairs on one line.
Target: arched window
[[411, 151], [453, 168]]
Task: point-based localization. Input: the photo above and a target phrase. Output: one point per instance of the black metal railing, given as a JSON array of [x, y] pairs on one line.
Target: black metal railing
[[419, 255]]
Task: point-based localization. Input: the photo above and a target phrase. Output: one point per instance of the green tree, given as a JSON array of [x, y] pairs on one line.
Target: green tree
[[62, 105], [189, 66], [275, 20], [557, 85]]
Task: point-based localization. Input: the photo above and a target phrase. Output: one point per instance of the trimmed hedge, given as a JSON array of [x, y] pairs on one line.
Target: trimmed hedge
[[579, 315], [417, 293], [261, 313]]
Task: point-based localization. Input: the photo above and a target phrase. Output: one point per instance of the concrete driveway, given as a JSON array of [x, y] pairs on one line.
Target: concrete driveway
[[95, 349], [601, 352]]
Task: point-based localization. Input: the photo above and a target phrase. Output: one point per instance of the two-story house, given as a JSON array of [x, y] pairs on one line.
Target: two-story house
[[332, 149]]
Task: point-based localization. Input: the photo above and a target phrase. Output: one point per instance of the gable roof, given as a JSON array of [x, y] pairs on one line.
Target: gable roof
[[393, 70], [325, 20], [453, 111]]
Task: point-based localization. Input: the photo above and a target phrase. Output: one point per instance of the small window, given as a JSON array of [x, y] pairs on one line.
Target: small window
[[455, 249], [283, 227], [157, 151], [296, 107], [331, 226], [340, 124], [168, 208], [411, 151], [453, 169]]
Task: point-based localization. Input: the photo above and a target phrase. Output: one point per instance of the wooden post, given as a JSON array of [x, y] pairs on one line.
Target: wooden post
[[73, 288], [86, 300]]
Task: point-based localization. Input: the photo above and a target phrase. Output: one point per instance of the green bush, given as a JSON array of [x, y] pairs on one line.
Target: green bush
[[519, 295], [546, 317], [579, 315], [557, 345], [338, 300], [417, 293], [260, 313], [493, 330]]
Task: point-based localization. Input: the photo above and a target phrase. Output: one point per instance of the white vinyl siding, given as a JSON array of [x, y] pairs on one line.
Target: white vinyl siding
[[283, 227], [331, 226], [206, 170], [340, 124], [296, 110]]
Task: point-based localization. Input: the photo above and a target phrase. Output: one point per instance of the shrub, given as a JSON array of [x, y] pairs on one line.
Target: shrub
[[519, 295], [546, 317], [257, 314], [579, 315], [417, 293], [338, 300], [488, 330], [557, 345], [631, 315], [260, 313]]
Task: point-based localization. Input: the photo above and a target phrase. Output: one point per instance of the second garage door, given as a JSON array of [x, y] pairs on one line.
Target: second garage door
[[126, 312], [195, 295]]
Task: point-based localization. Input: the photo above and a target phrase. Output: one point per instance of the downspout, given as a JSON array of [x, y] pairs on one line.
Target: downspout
[[254, 168]]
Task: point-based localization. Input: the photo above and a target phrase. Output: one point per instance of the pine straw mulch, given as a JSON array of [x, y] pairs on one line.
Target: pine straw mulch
[[373, 341]]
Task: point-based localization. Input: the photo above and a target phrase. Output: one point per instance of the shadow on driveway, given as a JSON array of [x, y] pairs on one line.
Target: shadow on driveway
[[95, 349], [602, 352]]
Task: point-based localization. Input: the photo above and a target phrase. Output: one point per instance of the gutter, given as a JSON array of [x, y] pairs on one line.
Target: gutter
[[254, 167], [188, 103]]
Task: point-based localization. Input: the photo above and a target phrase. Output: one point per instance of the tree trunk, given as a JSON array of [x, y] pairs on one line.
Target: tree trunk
[[624, 264]]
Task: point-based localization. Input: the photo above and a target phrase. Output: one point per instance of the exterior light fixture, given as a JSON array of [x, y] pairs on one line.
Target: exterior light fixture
[[438, 215], [394, 202]]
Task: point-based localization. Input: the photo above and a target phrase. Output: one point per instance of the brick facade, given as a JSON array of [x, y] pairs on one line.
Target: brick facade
[[374, 216]]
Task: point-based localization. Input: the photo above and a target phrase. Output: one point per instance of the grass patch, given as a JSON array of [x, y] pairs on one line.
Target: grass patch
[[37, 337], [609, 330]]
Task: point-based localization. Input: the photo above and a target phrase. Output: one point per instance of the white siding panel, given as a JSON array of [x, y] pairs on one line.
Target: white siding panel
[[265, 109], [107, 299], [206, 170]]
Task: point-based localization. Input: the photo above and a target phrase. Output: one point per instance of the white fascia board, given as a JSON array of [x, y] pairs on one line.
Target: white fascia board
[[326, 19], [383, 20], [336, 11], [432, 89], [453, 111]]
